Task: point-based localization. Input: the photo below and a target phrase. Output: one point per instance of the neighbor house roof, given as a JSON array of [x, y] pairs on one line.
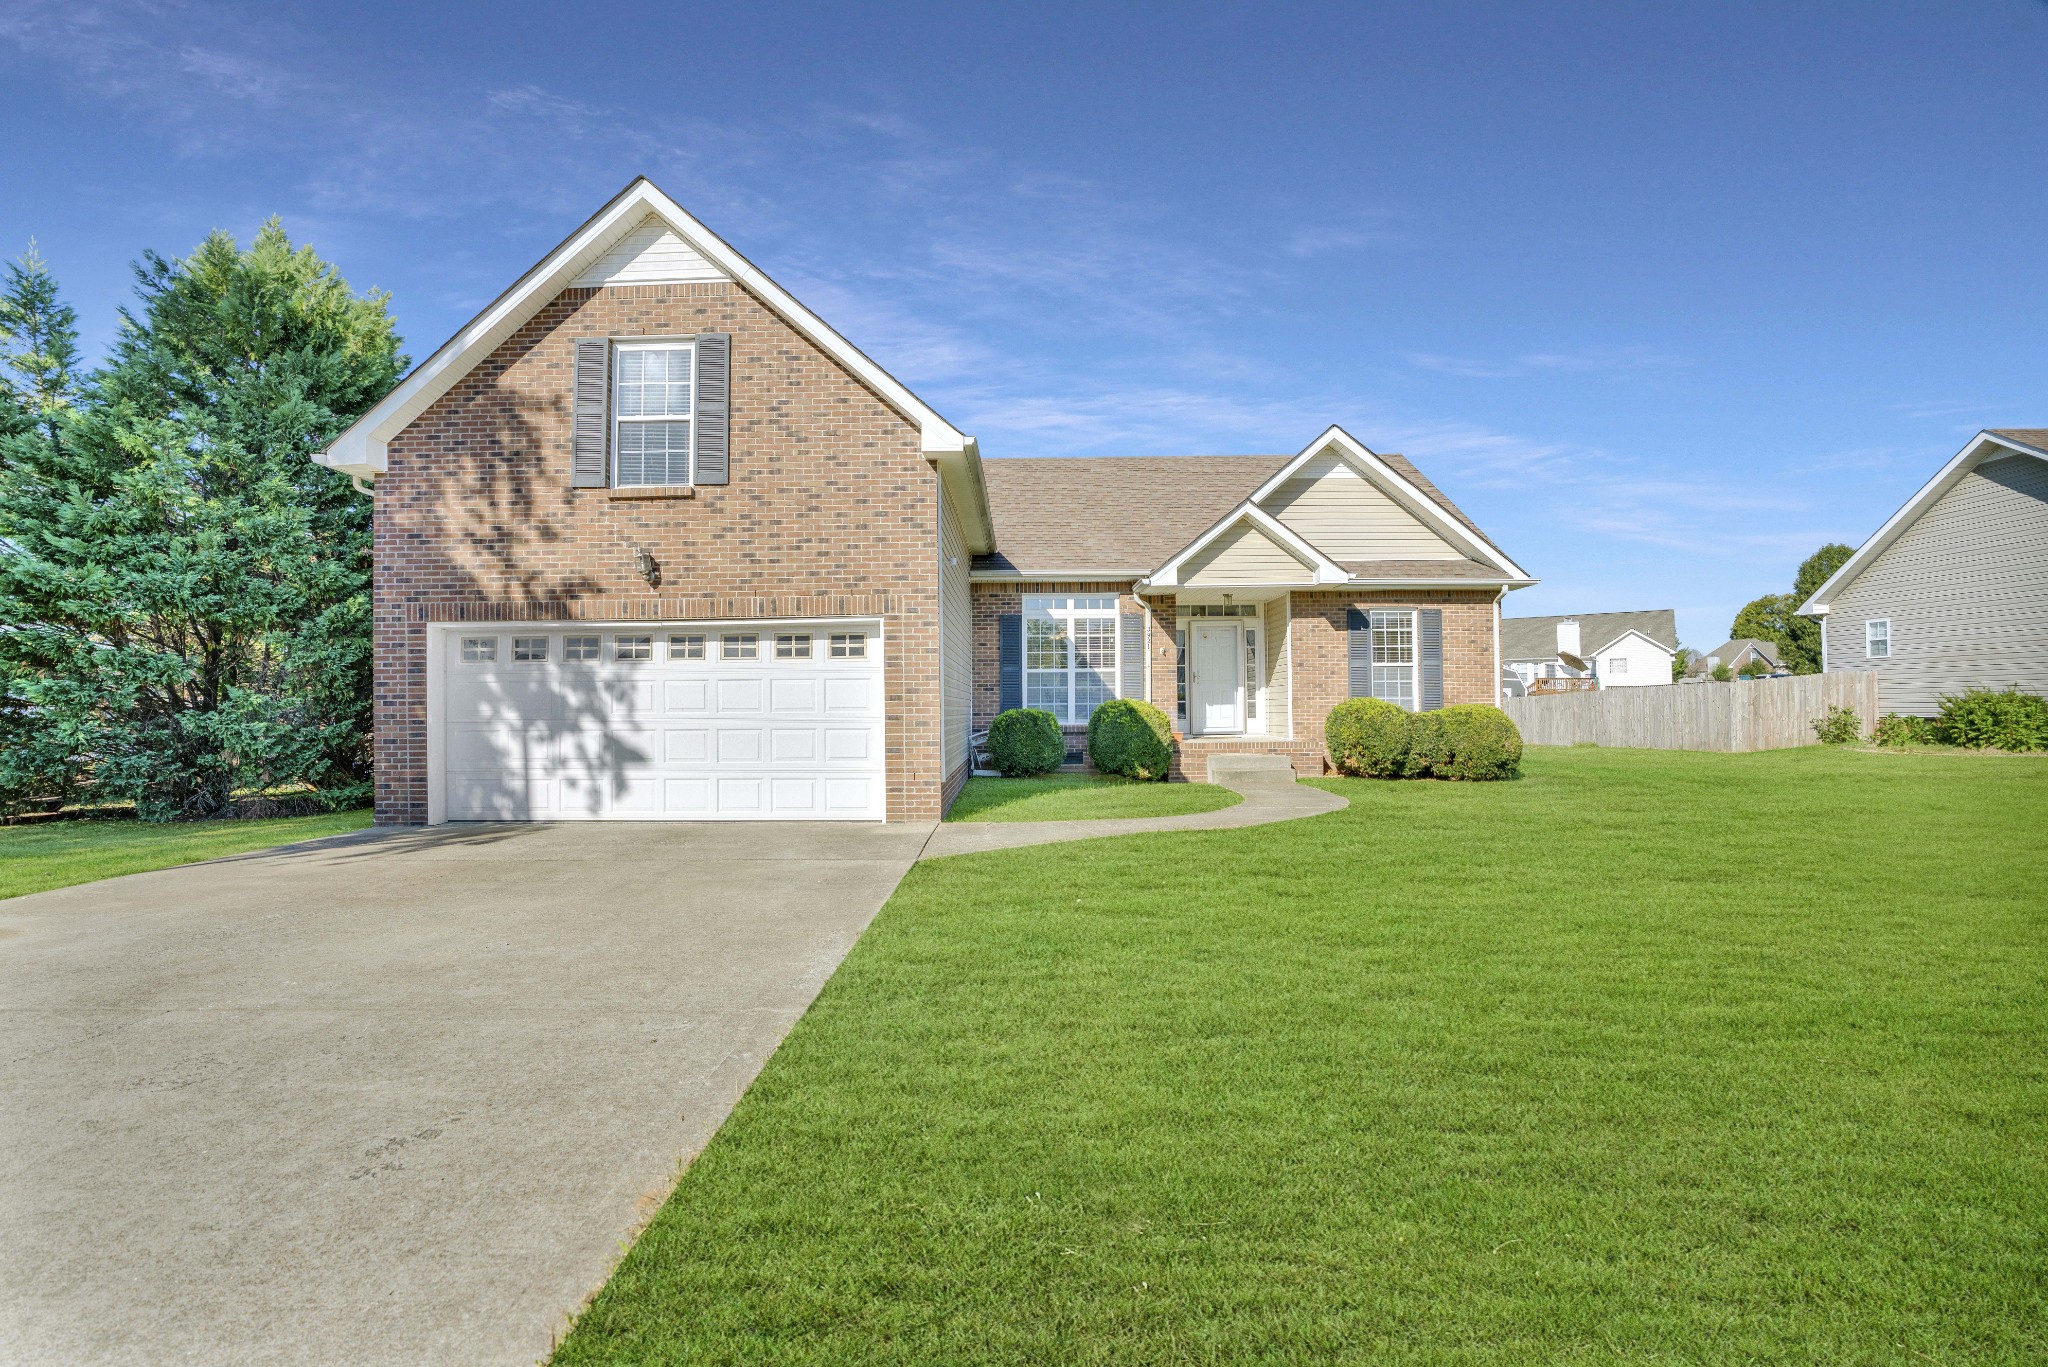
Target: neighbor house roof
[[1535, 638], [1730, 653], [1993, 443]]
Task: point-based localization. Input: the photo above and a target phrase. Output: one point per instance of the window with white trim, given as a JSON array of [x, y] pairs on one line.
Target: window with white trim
[[530, 650], [849, 645], [689, 647], [744, 647], [478, 650], [1393, 656], [1069, 653], [580, 647], [1618, 665], [632, 647], [1877, 638], [793, 646], [651, 413]]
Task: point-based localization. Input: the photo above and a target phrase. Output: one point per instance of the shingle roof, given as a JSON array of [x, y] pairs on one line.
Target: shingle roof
[[1110, 512], [1422, 569], [1727, 652], [1131, 513], [1535, 638], [2036, 437]]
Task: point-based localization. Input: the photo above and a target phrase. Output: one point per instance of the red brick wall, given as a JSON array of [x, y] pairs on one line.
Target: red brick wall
[[832, 510]]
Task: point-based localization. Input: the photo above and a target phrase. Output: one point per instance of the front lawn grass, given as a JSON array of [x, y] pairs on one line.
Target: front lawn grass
[[1078, 797], [1651, 1057], [57, 854]]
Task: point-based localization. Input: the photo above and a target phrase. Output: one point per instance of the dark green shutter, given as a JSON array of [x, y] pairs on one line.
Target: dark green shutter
[[588, 437], [1429, 644], [1009, 661], [1360, 651], [1132, 649], [714, 390]]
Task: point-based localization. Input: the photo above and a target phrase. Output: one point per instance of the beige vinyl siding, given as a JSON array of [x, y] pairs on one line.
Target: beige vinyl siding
[[1347, 517], [650, 254], [956, 637], [1278, 701], [1966, 591], [1244, 555]]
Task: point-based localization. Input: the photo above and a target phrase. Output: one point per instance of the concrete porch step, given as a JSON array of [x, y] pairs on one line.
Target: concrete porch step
[[1232, 770]]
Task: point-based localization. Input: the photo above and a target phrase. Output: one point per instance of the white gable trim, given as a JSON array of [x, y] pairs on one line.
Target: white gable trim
[[1320, 568], [361, 450], [1649, 640], [1982, 447], [1418, 504]]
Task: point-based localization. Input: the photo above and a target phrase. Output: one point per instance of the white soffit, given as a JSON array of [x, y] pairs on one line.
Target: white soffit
[[1397, 487], [1984, 446]]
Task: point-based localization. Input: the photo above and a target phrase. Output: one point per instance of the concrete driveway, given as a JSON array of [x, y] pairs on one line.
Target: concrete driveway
[[401, 1098]]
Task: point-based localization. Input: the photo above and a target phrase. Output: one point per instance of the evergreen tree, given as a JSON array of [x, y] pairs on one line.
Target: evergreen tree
[[184, 594], [38, 342]]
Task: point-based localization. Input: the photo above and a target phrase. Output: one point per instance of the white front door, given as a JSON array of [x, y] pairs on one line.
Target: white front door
[[1216, 678]]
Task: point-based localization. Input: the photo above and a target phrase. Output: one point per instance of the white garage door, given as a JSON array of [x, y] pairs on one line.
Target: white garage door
[[675, 722]]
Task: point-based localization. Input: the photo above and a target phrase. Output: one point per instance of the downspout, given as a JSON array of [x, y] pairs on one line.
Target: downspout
[[1499, 596], [363, 487]]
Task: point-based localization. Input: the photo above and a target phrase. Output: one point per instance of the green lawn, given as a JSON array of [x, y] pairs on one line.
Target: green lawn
[[1648, 1058], [1074, 797], [60, 853]]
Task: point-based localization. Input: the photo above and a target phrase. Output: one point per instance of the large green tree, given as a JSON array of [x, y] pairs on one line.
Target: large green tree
[[184, 594], [1775, 616]]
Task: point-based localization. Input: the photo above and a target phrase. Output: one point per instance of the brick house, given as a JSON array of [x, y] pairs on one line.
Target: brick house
[[653, 541]]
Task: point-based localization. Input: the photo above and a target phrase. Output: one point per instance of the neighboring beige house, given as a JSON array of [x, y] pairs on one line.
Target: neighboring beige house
[[1620, 649], [1952, 591], [654, 542], [1735, 654]]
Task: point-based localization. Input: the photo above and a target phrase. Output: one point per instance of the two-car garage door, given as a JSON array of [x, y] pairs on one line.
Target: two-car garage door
[[679, 721]]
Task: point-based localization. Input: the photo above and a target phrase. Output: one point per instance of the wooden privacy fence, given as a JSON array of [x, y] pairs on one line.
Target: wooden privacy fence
[[1766, 714]]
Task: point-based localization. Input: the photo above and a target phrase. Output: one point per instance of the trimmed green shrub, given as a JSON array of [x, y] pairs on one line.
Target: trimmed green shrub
[[1025, 741], [1485, 744], [1130, 737], [1429, 745], [1841, 726], [1755, 667], [2006, 720], [1367, 738], [1895, 729], [1722, 674]]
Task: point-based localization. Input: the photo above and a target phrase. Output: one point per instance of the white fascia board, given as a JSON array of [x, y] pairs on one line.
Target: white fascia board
[[361, 449], [1055, 576], [1648, 640], [1323, 570], [1426, 582], [1419, 504], [1979, 449]]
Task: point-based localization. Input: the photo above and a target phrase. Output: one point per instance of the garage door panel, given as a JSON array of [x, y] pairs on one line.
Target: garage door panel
[[660, 739]]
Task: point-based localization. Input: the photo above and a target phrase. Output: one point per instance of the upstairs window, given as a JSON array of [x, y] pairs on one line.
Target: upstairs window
[[651, 414], [1877, 638]]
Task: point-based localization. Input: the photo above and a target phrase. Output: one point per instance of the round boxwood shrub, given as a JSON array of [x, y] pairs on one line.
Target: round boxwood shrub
[[1484, 743], [1429, 745], [1367, 738], [1025, 741], [1132, 738]]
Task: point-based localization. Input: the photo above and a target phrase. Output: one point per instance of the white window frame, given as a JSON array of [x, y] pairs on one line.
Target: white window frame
[[523, 648], [582, 647], [632, 648], [685, 645], [479, 650], [1064, 611], [849, 645], [1877, 631], [620, 421], [1414, 663], [792, 645], [740, 645], [1617, 664]]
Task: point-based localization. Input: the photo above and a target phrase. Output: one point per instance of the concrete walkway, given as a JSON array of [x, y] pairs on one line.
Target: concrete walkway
[[1270, 794], [395, 1098]]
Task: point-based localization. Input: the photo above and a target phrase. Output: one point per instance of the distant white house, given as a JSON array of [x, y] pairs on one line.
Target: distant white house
[[1736, 654], [1952, 592], [1620, 649]]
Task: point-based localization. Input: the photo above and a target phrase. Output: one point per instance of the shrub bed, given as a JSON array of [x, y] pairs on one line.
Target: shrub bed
[[1895, 729], [1130, 737], [2005, 720], [1841, 726], [1372, 738], [1025, 741]]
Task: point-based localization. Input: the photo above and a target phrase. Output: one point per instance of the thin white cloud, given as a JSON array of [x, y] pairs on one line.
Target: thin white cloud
[[1593, 360]]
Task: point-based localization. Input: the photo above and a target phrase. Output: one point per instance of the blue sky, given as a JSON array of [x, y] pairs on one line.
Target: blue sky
[[1665, 295]]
